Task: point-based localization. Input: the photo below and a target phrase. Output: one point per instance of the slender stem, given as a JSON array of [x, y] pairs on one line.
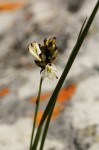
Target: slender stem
[[35, 115], [45, 132]]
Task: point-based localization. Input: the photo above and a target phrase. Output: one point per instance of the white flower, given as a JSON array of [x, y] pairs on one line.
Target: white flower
[[35, 50], [50, 72], [45, 54]]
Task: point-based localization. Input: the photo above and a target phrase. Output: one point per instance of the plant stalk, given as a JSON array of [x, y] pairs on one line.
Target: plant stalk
[[35, 115]]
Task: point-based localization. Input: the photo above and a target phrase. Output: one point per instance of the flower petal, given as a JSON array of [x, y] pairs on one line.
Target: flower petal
[[50, 72], [35, 50]]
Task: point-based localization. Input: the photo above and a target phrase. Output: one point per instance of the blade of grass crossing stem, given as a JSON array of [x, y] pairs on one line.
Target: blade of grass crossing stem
[[40, 128], [65, 72], [46, 128]]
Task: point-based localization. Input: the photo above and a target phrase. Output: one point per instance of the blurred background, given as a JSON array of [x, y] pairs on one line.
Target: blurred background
[[75, 120]]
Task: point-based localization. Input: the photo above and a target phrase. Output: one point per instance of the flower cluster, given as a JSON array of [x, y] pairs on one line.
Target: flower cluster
[[45, 54]]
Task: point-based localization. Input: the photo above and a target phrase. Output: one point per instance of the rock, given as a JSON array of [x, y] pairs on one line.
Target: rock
[[17, 137], [77, 127], [13, 136], [83, 114]]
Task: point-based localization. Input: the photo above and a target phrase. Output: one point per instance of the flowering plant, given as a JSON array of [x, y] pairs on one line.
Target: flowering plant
[[45, 55]]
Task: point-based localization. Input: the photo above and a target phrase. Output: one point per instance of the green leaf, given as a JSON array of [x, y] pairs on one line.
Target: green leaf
[[46, 128], [81, 30]]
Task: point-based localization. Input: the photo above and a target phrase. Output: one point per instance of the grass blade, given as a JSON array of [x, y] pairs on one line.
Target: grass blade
[[81, 30], [46, 128]]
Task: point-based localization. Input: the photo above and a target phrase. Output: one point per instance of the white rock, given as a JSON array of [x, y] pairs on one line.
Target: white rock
[[53, 144], [94, 147], [17, 137], [83, 113], [85, 108]]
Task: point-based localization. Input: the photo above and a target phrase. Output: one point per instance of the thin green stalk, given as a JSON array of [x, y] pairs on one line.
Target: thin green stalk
[[46, 128], [71, 59], [35, 115], [81, 30]]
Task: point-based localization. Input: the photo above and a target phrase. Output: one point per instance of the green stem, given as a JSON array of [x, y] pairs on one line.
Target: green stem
[[46, 128], [35, 115]]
